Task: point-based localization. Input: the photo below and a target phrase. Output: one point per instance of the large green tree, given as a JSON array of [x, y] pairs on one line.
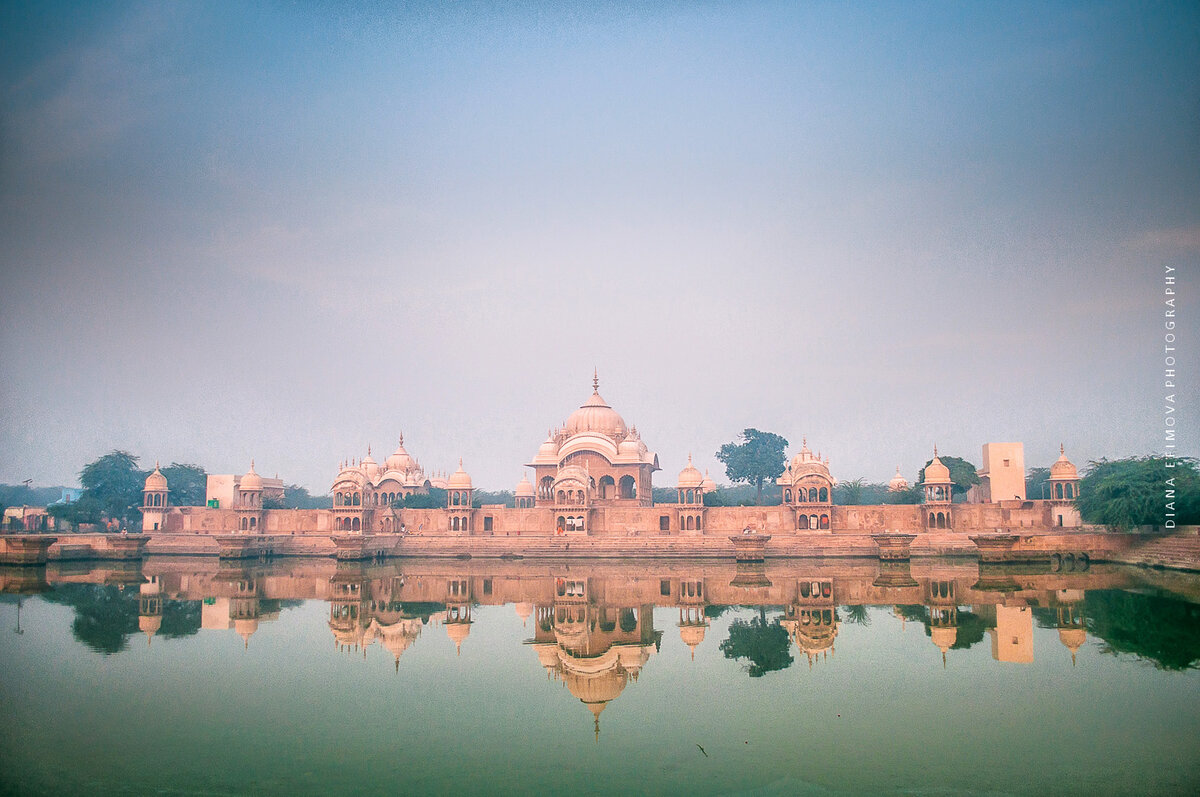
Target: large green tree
[[962, 473], [115, 483], [1140, 491], [188, 484], [759, 457]]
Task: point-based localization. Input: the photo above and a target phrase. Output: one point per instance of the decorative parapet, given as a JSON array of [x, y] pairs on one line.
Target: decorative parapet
[[894, 547], [750, 547]]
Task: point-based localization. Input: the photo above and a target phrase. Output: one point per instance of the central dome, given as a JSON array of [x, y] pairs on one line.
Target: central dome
[[595, 415]]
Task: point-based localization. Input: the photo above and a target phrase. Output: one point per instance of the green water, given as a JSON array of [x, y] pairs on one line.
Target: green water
[[826, 680]]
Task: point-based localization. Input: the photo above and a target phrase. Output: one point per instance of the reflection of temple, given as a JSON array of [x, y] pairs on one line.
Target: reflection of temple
[[943, 615], [1072, 630], [594, 649], [150, 607], [811, 618]]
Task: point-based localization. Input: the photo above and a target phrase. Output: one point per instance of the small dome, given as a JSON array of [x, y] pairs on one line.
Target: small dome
[[806, 463], [156, 482], [1072, 638], [936, 472], [400, 460], [459, 480], [1063, 468], [524, 611], [690, 477], [898, 482], [370, 466], [595, 415], [251, 481], [245, 628], [524, 488], [708, 485]]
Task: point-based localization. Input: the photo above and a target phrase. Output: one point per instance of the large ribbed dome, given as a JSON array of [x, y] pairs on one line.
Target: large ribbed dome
[[594, 415], [690, 477], [251, 481], [400, 460]]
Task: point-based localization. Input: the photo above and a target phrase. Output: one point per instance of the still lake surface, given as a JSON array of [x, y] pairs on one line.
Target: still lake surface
[[190, 676]]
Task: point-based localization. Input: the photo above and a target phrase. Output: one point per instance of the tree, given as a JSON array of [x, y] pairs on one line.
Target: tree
[[764, 644], [187, 484], [858, 492], [758, 458], [297, 497], [1034, 481], [1140, 491], [962, 473], [913, 494], [115, 483]]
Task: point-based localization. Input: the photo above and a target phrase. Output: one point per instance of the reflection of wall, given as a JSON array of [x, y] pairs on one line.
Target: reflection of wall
[[1012, 637]]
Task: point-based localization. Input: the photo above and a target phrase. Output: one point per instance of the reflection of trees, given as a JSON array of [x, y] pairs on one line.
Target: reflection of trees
[[1164, 631], [764, 643], [856, 615], [107, 615]]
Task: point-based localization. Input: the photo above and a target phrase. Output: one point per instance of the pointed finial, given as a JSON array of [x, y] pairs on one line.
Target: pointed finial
[[943, 659], [368, 449], [597, 727], [595, 380], [401, 438], [1072, 658], [1061, 450], [935, 450]]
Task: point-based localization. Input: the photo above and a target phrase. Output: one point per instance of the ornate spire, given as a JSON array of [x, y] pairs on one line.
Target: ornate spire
[[595, 380], [1061, 451]]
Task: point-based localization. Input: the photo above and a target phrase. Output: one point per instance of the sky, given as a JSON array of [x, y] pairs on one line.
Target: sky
[[287, 231]]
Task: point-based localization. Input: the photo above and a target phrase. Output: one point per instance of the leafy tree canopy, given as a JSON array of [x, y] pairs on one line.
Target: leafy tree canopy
[[759, 457], [858, 492], [764, 644], [962, 473], [1034, 481], [115, 483], [297, 497], [1124, 493], [187, 484]]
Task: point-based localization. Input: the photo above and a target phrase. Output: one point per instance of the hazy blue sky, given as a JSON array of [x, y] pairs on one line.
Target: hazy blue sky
[[287, 230]]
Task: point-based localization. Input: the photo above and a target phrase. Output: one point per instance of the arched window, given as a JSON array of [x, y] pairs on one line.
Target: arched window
[[787, 496], [357, 499], [253, 522], [1070, 490], [357, 524], [628, 487], [608, 487], [562, 497], [824, 495], [244, 525], [802, 522], [812, 495], [932, 521], [699, 518], [561, 523], [1058, 490], [824, 521]]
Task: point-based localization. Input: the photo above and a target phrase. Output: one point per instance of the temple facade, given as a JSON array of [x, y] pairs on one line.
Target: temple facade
[[593, 476]]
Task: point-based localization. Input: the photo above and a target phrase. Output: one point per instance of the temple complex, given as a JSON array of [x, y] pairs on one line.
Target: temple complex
[[593, 477]]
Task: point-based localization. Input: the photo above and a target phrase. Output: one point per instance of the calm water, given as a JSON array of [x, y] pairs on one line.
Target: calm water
[[187, 676]]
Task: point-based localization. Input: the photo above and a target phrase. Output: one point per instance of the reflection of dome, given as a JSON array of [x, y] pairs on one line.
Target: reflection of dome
[[898, 482], [524, 488], [458, 633], [156, 481], [459, 480], [524, 610], [1063, 468], [936, 472], [149, 624], [1073, 639], [692, 635], [690, 477], [245, 628], [594, 415], [944, 636], [251, 481]]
